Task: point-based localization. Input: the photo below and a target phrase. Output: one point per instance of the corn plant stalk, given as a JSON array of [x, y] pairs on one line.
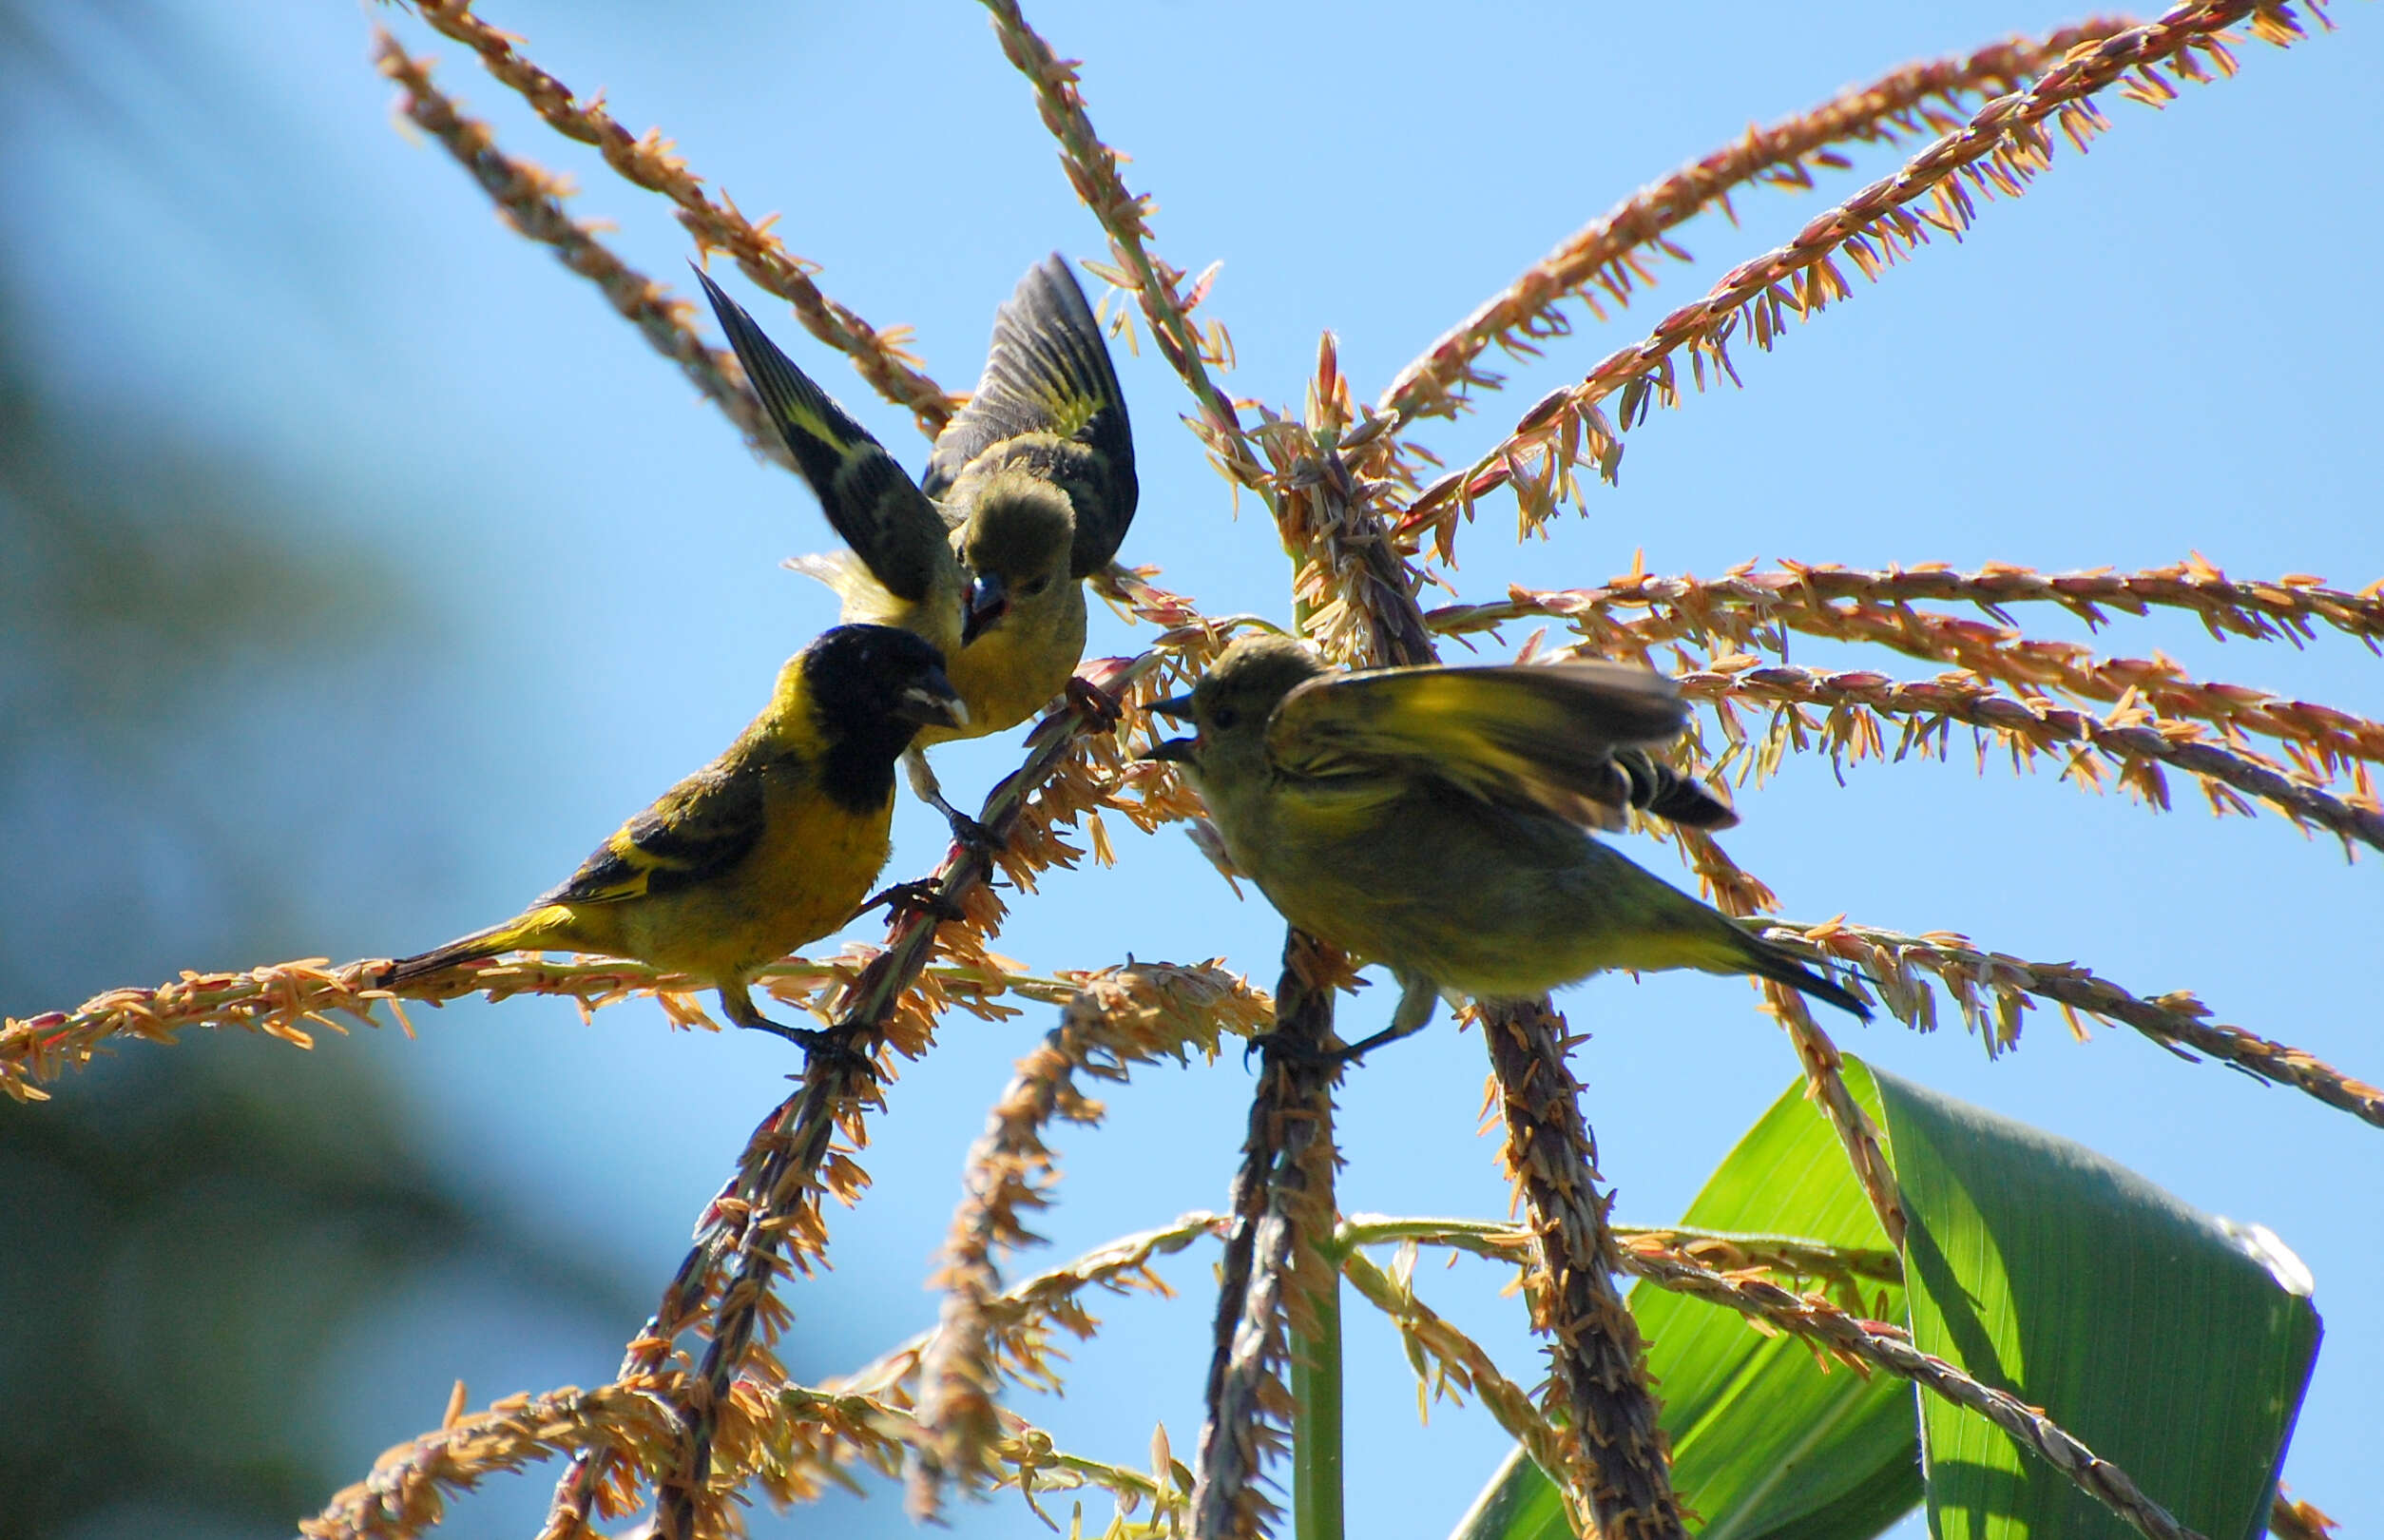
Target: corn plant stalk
[[1280, 1208], [1318, 1452]]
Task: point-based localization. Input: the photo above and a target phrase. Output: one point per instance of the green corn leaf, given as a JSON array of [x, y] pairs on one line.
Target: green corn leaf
[[1765, 1442], [2174, 1343]]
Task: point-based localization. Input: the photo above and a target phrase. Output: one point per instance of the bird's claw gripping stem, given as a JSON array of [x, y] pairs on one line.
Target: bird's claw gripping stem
[[1100, 709], [922, 895], [824, 1046]]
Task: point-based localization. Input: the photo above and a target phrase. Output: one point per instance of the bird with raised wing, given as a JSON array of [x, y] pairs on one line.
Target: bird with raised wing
[[1433, 820], [1028, 491]]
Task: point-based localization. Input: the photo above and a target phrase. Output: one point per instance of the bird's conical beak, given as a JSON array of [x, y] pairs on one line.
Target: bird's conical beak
[[1179, 749], [989, 601], [932, 702]]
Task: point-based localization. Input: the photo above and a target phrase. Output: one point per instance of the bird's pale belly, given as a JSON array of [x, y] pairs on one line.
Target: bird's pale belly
[[1434, 934], [1502, 908]]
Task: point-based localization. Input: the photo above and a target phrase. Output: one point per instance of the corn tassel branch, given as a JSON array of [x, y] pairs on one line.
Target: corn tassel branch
[[2002, 147], [1140, 1013], [646, 160], [1602, 262]]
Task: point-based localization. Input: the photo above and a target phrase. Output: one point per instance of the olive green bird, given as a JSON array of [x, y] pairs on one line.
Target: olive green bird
[[1432, 820], [1028, 491], [768, 848]]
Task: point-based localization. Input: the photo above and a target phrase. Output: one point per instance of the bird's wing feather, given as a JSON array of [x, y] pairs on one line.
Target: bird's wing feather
[[1048, 372], [899, 533], [697, 830], [1542, 737]]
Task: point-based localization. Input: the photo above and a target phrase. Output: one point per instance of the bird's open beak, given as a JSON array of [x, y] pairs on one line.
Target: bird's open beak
[[1180, 708], [932, 702], [989, 601]]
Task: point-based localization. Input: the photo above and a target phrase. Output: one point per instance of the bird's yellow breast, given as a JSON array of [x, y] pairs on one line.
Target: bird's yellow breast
[[1013, 670]]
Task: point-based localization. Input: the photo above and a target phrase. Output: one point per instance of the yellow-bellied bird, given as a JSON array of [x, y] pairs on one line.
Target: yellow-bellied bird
[[1432, 820], [769, 847], [1028, 491]]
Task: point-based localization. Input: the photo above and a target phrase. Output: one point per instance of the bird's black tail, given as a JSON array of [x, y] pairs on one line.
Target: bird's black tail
[[463, 949], [1766, 960]]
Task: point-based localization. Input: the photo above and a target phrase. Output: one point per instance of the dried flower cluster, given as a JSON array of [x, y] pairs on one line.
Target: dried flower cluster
[[700, 1409]]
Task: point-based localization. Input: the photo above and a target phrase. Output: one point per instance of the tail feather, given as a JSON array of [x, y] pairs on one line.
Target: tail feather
[[464, 949], [1768, 961], [864, 598]]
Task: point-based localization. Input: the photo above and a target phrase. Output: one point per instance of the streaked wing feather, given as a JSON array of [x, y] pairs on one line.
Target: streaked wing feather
[[1048, 372], [899, 533], [697, 830], [1542, 737]]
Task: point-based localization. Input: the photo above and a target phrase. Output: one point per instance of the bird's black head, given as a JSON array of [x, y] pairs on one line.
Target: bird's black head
[[869, 689]]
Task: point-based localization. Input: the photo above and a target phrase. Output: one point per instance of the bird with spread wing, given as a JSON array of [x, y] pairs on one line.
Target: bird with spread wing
[[1433, 820], [1028, 491]]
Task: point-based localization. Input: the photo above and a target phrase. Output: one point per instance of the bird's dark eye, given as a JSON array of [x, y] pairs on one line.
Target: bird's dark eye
[[1037, 587], [1225, 716]]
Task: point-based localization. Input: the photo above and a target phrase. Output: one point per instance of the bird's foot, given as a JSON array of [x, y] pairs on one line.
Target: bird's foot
[[971, 836], [1352, 1052], [832, 1044], [1100, 709], [1299, 1050], [833, 1047], [1283, 1046], [923, 896]]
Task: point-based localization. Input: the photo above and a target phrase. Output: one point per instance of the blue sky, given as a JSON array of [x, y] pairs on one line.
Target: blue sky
[[2167, 346]]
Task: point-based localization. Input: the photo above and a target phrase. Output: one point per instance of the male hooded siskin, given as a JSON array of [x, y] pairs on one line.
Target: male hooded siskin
[[769, 847], [1432, 820], [1028, 491]]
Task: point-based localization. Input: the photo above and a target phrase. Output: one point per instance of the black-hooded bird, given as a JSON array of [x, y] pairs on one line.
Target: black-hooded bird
[[768, 848], [1028, 491], [1433, 820]]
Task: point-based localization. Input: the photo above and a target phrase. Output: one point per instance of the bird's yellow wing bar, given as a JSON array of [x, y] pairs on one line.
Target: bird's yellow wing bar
[[700, 828], [1049, 373], [894, 529]]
